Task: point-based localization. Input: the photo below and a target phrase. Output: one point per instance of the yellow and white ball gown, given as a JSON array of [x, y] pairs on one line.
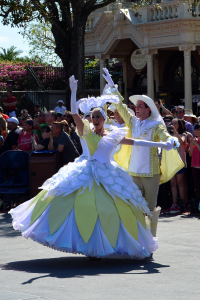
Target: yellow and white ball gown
[[91, 207]]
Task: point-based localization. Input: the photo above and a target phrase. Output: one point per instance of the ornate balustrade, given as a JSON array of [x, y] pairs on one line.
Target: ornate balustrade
[[150, 13]]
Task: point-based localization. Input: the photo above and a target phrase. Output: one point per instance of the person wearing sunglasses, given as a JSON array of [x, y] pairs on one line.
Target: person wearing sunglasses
[[75, 138], [180, 112], [42, 144]]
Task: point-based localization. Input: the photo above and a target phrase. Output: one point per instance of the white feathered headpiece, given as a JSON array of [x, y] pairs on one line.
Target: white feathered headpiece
[[86, 104]]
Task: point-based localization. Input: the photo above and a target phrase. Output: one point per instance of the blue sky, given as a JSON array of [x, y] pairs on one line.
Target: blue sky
[[10, 37]]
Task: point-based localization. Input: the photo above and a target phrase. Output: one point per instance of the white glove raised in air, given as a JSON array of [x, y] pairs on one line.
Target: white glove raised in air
[[108, 78], [73, 83]]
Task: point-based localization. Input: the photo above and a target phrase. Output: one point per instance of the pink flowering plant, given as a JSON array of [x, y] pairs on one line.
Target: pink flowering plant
[[16, 71]]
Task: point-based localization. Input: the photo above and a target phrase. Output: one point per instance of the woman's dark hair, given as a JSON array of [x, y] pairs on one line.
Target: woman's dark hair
[[183, 124], [46, 128], [65, 123], [71, 119], [197, 126], [180, 126]]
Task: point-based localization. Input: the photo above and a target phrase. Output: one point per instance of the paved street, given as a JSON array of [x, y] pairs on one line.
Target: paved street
[[31, 271]]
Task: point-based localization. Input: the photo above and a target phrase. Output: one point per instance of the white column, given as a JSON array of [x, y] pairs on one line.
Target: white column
[[187, 74], [150, 76], [124, 64], [102, 65], [102, 80], [156, 73], [125, 81]]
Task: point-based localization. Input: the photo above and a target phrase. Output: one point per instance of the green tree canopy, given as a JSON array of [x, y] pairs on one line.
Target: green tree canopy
[[42, 43], [67, 20]]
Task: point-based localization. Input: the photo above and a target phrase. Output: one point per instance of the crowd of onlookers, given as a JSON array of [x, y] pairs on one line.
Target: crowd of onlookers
[[37, 130], [55, 130]]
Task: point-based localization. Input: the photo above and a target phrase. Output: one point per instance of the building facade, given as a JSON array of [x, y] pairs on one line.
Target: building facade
[[159, 49]]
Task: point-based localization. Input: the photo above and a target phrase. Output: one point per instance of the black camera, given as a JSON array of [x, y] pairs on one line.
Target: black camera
[[170, 129]]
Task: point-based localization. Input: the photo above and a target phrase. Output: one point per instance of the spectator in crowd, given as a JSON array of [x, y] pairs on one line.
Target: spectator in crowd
[[51, 117], [24, 140], [24, 113], [66, 127], [68, 117], [180, 112], [173, 111], [198, 110], [10, 142], [70, 120], [2, 114], [189, 184], [167, 119], [60, 108], [35, 111], [163, 111], [10, 104], [3, 127], [43, 144], [59, 117], [21, 121], [189, 117], [178, 181], [60, 141], [75, 139], [36, 121], [1, 139], [45, 120], [194, 152]]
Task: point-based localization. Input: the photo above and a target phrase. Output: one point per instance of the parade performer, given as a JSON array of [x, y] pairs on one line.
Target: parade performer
[[91, 207], [142, 162]]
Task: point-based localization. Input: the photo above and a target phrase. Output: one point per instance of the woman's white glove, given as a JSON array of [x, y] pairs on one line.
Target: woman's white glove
[[109, 80], [73, 86]]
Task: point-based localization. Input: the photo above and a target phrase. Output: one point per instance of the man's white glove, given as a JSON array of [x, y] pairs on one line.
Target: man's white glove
[[165, 145], [73, 86]]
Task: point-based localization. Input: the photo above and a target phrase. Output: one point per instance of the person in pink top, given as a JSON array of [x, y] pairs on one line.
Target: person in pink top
[[178, 181], [194, 152], [24, 140]]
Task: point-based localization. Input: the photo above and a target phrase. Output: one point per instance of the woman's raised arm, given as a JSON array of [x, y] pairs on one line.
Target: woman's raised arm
[[74, 109]]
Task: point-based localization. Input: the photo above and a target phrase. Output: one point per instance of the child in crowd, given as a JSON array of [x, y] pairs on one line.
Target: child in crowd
[[194, 152]]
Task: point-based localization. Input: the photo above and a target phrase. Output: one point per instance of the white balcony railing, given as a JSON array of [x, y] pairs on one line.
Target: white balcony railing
[[150, 13]]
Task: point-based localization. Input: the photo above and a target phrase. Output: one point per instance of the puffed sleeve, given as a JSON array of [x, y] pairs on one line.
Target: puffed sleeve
[[86, 130], [123, 111], [161, 133]]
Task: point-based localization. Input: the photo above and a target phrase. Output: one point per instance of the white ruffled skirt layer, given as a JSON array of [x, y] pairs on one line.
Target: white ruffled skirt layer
[[82, 177], [82, 173], [68, 239]]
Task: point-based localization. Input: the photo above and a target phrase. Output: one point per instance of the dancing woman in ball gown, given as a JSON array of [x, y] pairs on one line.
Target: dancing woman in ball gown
[[91, 206]]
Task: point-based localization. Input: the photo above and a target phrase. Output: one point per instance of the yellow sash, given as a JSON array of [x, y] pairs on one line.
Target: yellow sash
[[171, 163]]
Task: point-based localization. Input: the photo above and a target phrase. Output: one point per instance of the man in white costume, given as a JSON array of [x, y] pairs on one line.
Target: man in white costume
[[142, 162]]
